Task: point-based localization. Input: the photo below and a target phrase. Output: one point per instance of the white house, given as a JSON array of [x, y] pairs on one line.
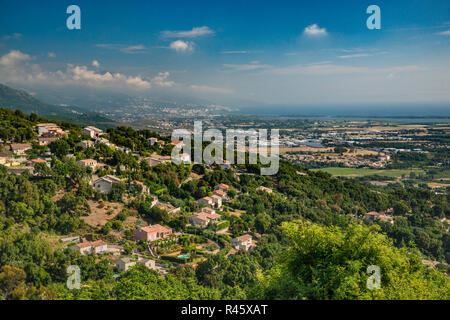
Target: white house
[[93, 132], [123, 264], [85, 144], [20, 148], [105, 183], [201, 218], [87, 247], [91, 163], [49, 129], [207, 201], [217, 200], [243, 242]]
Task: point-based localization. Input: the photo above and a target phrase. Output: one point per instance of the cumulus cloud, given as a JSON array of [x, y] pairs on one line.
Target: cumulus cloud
[[194, 33], [314, 30], [161, 80], [182, 46], [15, 66], [13, 57], [208, 89], [95, 63]]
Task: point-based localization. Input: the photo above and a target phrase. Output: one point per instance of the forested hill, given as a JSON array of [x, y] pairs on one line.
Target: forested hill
[[19, 99], [309, 236]]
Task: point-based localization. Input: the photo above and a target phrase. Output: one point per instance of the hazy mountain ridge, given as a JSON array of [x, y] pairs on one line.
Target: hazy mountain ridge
[[20, 99]]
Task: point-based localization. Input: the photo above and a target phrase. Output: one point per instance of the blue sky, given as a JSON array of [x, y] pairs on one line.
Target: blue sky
[[234, 52]]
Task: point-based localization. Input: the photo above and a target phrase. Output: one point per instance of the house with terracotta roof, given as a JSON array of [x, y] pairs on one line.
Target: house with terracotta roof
[[85, 144], [374, 215], [152, 232], [243, 242], [207, 210], [20, 148], [92, 132], [265, 189], [222, 194], [203, 219], [87, 247], [207, 201], [156, 159], [33, 162], [91, 163], [175, 142], [49, 129], [222, 186], [45, 141]]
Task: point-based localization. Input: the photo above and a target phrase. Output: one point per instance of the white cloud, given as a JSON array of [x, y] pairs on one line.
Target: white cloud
[[12, 36], [235, 52], [161, 80], [194, 33], [123, 48], [356, 55], [95, 63], [444, 33], [254, 65], [15, 67], [13, 57], [332, 69], [182, 46], [133, 49], [51, 55], [208, 89], [314, 30]]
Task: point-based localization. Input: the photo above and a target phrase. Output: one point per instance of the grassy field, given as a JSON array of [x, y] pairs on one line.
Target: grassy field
[[354, 172]]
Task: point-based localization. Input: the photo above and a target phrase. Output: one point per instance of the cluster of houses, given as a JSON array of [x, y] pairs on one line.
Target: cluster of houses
[[219, 195], [125, 263], [156, 159], [351, 161], [98, 247], [47, 130], [203, 217], [206, 215]]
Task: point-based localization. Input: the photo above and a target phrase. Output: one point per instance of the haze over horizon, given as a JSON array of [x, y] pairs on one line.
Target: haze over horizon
[[239, 53]]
